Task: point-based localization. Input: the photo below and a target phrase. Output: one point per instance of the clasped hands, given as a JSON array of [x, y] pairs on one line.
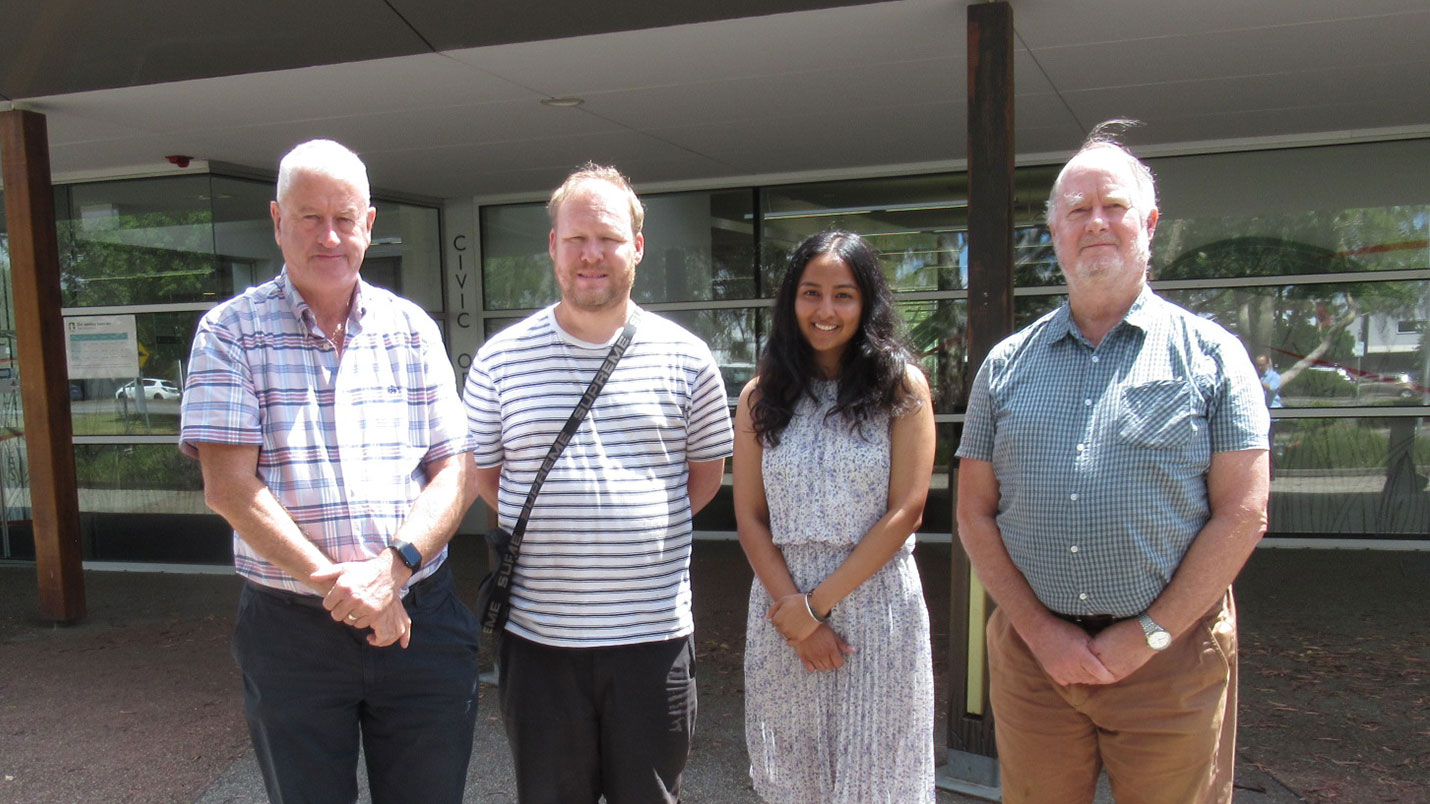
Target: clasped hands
[[364, 594], [1069, 656], [818, 647]]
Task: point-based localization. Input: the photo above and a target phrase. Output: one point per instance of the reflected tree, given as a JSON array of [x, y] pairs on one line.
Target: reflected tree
[[1311, 323]]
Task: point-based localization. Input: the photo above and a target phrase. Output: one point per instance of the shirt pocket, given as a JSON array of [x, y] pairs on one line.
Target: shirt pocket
[[1158, 415]]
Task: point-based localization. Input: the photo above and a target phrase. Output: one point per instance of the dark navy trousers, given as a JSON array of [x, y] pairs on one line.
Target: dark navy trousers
[[313, 688]]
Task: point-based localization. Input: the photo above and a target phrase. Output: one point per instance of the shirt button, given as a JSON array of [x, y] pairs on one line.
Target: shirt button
[[1087, 402], [1095, 358], [1081, 447], [1072, 497], [1072, 549], [1082, 596]]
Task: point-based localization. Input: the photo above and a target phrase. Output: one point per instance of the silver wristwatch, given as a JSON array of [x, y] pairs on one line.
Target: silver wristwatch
[[1157, 636]]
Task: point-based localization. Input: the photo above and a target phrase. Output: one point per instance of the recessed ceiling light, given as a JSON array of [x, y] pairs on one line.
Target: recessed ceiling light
[[562, 103]]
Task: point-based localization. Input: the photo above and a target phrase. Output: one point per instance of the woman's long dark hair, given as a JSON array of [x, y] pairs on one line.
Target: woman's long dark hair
[[872, 372]]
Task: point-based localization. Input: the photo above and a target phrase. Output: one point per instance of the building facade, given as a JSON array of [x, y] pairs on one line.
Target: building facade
[[1316, 256]]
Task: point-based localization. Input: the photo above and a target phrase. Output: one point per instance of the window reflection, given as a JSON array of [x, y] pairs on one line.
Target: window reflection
[[145, 405], [1331, 344], [938, 334], [132, 478], [1350, 476], [734, 336], [919, 225], [136, 242], [243, 235], [698, 247], [405, 255], [516, 269]]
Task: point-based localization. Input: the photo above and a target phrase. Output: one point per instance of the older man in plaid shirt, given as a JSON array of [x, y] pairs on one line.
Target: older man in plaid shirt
[[1113, 482], [325, 416]]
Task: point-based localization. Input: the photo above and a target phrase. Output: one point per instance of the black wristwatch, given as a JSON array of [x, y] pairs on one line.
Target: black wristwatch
[[410, 556]]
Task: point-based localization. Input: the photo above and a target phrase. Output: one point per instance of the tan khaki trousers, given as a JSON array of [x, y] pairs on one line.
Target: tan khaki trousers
[[1166, 734]]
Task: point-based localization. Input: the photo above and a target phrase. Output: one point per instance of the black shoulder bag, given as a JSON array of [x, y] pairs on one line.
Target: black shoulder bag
[[494, 592]]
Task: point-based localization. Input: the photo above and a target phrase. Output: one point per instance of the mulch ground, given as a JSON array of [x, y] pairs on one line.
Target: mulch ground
[[1335, 684], [141, 701]]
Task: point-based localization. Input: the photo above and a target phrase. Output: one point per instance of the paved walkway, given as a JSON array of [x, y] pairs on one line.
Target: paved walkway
[[1335, 695]]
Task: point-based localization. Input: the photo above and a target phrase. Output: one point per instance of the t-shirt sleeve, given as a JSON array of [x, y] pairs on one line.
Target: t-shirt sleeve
[[483, 404], [709, 436], [220, 404]]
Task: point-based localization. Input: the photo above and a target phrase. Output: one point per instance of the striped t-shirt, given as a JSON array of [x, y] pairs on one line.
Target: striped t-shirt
[[606, 556]]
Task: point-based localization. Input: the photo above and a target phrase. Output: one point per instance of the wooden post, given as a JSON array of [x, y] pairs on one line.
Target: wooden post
[[972, 766], [44, 381]]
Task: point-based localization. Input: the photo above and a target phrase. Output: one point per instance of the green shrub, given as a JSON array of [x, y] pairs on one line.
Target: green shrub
[[1319, 385], [135, 466]]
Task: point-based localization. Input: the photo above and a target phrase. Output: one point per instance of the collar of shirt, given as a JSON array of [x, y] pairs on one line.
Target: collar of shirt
[[1141, 315], [304, 313]]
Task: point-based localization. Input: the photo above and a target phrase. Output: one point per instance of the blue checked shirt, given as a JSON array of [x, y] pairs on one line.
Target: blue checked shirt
[[1101, 454], [341, 444]]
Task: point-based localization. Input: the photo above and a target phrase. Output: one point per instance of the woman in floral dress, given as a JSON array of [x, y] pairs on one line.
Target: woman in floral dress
[[834, 445]]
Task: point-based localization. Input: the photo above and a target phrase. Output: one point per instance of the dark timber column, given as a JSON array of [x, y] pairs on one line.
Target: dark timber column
[[44, 382], [972, 766]]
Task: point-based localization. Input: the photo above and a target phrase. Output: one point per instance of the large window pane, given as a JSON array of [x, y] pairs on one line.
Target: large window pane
[[243, 235], [115, 406], [918, 223], [938, 333], [1358, 343], [516, 269], [698, 247], [405, 255], [1346, 208], [137, 478], [146, 241], [1297, 242], [1350, 476]]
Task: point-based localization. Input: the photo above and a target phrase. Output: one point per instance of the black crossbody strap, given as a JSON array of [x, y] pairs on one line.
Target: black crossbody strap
[[577, 416]]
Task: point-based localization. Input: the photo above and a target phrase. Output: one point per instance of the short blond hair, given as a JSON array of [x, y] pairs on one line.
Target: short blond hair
[[594, 172]]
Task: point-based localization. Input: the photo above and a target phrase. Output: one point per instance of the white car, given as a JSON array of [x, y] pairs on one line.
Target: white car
[[153, 389]]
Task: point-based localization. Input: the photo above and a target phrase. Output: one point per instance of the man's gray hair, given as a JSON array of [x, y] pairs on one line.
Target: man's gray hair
[[324, 158], [594, 172], [1107, 136]]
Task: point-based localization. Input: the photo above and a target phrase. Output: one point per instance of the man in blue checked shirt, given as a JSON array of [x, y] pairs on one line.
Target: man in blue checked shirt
[[1113, 482], [325, 416]]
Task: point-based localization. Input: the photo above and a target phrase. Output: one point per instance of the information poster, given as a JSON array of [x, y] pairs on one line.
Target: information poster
[[101, 346]]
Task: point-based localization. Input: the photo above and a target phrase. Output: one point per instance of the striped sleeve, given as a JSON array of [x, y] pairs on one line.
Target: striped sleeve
[[709, 436], [220, 404], [479, 397]]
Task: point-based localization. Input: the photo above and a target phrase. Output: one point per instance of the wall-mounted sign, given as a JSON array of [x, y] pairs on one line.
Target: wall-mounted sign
[[101, 346]]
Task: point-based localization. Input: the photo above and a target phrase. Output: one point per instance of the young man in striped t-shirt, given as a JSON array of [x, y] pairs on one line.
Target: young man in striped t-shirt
[[597, 682]]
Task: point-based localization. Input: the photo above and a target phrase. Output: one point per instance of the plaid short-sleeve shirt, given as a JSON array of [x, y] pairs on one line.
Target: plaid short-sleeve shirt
[[342, 445], [1101, 453]]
